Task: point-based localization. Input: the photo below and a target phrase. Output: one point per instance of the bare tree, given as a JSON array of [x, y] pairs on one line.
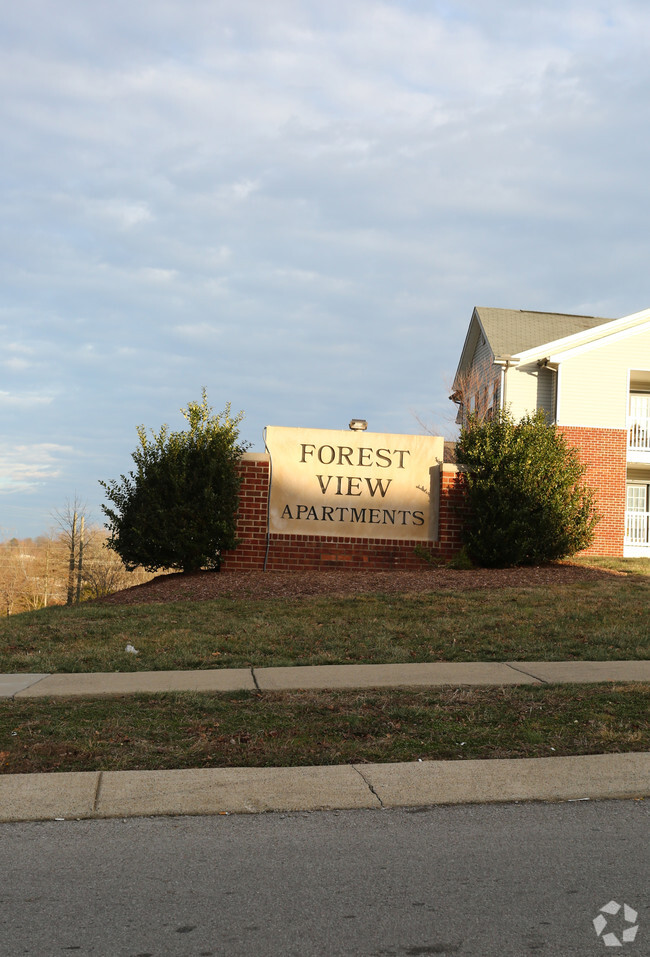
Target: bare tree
[[103, 569], [30, 574], [49, 553], [81, 557], [476, 392], [10, 576], [71, 519]]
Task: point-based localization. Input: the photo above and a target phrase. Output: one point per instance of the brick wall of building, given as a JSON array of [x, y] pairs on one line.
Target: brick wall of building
[[604, 452], [296, 552]]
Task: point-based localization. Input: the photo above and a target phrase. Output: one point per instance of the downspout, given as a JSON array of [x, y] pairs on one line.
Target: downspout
[[505, 362], [268, 505]]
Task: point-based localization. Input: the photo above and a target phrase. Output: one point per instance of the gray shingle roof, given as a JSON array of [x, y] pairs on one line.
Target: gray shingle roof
[[510, 331]]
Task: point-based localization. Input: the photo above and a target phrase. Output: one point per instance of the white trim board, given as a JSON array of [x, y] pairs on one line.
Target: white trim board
[[587, 338]]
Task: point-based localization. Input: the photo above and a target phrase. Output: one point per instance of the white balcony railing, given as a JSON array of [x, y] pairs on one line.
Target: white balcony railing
[[638, 435], [637, 528]]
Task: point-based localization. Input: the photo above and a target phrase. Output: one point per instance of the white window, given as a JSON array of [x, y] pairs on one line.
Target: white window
[[639, 405], [637, 498], [637, 518]]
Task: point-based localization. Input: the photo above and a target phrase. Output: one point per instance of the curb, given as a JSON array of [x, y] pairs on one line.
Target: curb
[[108, 794]]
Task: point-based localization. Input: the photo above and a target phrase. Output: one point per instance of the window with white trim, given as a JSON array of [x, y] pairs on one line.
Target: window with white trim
[[637, 497]]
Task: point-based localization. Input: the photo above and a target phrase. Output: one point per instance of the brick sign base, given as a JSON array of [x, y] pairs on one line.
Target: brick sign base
[[275, 552]]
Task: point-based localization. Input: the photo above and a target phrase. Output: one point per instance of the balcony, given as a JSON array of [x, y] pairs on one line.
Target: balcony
[[638, 439], [637, 534]]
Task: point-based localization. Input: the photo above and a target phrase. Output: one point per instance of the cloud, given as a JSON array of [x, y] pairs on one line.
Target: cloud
[[298, 204], [23, 400], [124, 214], [16, 364], [158, 275], [202, 331], [23, 467], [242, 189]]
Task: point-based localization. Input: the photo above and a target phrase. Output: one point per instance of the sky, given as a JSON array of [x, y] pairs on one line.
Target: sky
[[295, 205]]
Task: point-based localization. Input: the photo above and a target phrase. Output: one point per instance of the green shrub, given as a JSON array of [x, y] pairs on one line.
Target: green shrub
[[526, 492], [426, 555], [178, 508], [461, 562]]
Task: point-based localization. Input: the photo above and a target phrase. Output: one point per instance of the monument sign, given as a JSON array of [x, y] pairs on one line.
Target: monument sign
[[339, 483]]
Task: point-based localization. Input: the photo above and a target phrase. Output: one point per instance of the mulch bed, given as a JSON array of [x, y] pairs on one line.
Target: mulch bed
[[204, 586]]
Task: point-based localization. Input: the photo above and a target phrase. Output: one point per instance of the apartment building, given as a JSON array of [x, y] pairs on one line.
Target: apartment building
[[591, 376]]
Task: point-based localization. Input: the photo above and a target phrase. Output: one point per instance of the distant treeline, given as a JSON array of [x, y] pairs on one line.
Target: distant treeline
[[35, 572]]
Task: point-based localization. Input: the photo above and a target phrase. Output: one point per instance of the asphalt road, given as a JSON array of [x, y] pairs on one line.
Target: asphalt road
[[473, 880]]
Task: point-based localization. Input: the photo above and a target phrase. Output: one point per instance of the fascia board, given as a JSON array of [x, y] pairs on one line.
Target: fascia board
[[587, 337]]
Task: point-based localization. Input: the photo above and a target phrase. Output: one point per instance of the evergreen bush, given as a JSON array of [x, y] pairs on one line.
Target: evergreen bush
[[526, 492], [178, 508]]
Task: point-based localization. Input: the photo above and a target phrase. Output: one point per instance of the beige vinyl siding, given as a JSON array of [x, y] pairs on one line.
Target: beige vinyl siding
[[481, 371], [546, 380], [529, 388], [482, 353], [594, 385], [480, 378]]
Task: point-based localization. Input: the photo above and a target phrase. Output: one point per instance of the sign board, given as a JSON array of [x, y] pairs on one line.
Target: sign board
[[340, 483]]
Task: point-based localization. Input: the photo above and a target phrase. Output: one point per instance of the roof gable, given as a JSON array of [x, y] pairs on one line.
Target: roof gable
[[518, 336], [513, 331], [474, 333]]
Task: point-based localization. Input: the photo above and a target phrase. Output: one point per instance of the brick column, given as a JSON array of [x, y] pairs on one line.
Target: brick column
[[252, 514], [604, 452], [453, 511]]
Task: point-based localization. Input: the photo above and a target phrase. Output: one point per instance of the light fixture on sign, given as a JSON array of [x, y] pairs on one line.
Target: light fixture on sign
[[358, 425]]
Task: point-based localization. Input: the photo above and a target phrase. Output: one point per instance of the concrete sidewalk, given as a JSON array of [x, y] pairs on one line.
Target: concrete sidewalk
[[426, 675], [35, 797]]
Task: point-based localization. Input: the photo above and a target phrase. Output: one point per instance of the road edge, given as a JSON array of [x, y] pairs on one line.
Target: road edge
[[109, 794]]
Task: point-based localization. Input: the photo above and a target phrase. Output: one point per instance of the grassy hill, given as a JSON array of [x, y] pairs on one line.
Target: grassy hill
[[605, 618]]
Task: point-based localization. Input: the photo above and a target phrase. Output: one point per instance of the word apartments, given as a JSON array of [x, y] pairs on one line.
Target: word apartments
[[342, 513]]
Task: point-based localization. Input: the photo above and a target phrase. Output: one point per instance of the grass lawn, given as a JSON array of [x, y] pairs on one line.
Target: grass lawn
[[592, 620], [305, 728], [599, 620], [629, 566]]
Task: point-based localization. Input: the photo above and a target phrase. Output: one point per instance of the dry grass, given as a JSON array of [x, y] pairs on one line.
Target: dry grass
[[555, 613], [305, 728]]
